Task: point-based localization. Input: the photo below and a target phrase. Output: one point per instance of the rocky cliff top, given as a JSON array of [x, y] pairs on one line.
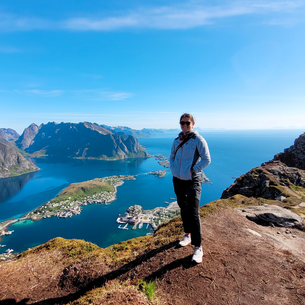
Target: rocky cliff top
[[282, 178], [294, 156]]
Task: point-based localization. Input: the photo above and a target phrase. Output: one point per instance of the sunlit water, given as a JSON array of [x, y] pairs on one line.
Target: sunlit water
[[233, 154]]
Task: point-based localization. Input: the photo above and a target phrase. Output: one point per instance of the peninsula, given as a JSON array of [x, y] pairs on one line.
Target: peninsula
[[70, 200]]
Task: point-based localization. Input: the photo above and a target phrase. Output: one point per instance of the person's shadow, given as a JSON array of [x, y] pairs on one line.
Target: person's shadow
[[185, 262]]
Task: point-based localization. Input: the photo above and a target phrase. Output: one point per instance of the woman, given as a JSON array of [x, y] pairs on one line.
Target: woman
[[189, 156]]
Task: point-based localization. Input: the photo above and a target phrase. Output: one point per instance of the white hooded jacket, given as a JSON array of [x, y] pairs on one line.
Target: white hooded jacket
[[192, 155]]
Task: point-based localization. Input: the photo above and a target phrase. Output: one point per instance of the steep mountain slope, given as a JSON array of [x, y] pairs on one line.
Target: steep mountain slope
[[245, 261], [12, 163], [294, 156], [82, 140], [282, 178], [25, 140], [8, 134]]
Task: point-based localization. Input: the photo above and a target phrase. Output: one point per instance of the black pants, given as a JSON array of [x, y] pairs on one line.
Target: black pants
[[188, 197]]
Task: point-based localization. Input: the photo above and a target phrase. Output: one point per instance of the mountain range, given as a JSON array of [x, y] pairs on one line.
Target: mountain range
[[82, 140]]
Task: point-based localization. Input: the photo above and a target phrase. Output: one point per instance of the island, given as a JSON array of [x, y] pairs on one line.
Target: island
[[136, 216], [70, 200], [159, 173], [162, 160]]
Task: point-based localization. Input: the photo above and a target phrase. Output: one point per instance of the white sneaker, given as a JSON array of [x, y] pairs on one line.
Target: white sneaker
[[198, 253], [186, 240]]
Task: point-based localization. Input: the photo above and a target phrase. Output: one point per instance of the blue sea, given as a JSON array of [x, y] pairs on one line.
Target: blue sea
[[233, 153]]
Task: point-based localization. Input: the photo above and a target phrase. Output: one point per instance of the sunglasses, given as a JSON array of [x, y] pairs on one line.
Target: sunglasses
[[187, 123]]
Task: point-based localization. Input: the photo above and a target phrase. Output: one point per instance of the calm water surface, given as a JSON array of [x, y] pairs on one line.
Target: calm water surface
[[233, 154]]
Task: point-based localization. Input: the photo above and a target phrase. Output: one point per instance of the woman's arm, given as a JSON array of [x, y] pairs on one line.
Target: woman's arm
[[204, 154]]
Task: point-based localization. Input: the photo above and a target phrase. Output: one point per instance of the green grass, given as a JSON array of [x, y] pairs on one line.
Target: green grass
[[78, 191], [149, 288], [70, 248]]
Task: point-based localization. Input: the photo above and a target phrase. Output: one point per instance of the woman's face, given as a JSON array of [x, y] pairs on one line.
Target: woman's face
[[184, 127]]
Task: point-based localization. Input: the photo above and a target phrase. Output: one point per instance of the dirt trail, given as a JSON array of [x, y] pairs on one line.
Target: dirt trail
[[244, 263]]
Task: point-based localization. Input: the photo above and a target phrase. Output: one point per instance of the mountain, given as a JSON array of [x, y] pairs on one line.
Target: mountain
[[294, 156], [25, 140], [143, 133], [8, 134], [12, 163], [278, 179], [253, 244], [82, 140]]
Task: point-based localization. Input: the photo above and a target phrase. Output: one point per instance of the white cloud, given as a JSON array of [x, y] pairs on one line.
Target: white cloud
[[160, 18], [101, 95], [279, 5], [86, 24], [95, 95], [188, 15], [10, 23], [119, 96], [286, 22], [50, 93]]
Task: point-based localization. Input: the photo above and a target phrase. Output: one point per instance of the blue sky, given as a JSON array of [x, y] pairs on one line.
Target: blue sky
[[233, 64]]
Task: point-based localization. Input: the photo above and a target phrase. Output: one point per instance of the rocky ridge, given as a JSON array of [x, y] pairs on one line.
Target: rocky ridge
[[294, 156], [12, 163], [282, 178], [82, 140], [27, 137], [8, 134]]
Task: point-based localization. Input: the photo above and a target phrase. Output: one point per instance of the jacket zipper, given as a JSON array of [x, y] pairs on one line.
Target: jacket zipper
[[180, 161]]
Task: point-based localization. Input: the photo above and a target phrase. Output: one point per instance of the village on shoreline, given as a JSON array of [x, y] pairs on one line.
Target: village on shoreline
[[136, 216]]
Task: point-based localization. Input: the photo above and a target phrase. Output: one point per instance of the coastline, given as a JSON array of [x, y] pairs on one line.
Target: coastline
[[16, 174], [68, 208], [5, 224]]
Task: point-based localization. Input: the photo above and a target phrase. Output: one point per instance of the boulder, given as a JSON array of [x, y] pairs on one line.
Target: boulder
[[272, 215]]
